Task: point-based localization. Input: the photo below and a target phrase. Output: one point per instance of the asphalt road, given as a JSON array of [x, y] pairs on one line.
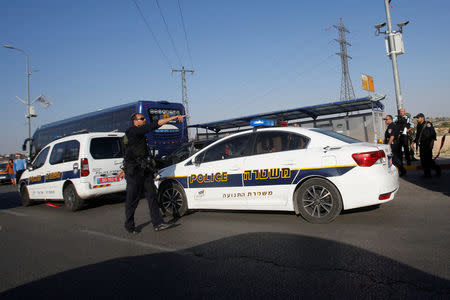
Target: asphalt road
[[397, 250]]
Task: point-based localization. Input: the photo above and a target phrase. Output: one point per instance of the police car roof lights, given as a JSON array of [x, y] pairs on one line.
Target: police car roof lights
[[262, 122]]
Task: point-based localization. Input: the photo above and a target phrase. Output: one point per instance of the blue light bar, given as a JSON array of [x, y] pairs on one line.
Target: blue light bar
[[262, 122]]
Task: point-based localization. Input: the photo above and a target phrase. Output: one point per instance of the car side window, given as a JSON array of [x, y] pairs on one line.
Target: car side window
[[230, 148], [65, 152], [276, 141], [296, 141], [40, 159]]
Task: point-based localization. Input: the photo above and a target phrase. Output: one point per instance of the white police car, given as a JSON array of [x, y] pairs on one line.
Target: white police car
[[314, 172], [75, 168]]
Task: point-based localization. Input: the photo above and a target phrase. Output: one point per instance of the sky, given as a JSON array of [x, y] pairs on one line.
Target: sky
[[248, 56]]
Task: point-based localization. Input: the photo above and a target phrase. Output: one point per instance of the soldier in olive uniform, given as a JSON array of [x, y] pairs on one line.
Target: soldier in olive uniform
[[391, 137], [425, 137]]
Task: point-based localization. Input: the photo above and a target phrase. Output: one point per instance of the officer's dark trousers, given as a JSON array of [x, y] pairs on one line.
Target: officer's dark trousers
[[404, 143], [397, 159], [427, 162], [135, 183]]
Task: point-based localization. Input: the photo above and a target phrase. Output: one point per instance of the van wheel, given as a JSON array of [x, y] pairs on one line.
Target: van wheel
[[24, 196], [71, 199], [172, 200], [318, 201]]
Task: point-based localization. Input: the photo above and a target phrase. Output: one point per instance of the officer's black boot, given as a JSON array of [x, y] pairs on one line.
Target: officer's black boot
[[438, 171]]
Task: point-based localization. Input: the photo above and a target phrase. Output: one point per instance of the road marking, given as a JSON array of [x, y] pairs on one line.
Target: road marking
[[138, 243], [10, 212]]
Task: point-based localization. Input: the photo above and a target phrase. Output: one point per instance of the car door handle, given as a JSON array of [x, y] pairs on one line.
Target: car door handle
[[234, 168], [288, 163]]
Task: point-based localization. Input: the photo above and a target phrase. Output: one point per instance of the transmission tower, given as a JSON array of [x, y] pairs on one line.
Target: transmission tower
[[184, 95], [347, 91]]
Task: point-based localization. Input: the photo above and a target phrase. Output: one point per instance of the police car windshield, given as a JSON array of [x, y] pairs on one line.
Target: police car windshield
[[338, 136]]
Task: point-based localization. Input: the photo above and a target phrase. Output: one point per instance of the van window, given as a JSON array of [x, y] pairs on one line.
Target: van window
[[65, 152], [40, 159], [106, 147]]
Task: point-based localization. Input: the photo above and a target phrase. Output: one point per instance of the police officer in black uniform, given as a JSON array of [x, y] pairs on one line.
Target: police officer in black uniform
[[405, 125], [425, 137], [138, 171], [391, 137]]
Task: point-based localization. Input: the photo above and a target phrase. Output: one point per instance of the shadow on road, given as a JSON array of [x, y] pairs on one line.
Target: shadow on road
[[437, 184], [256, 265], [9, 199]]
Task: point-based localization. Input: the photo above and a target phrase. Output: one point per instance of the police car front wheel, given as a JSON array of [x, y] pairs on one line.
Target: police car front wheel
[[24, 196], [172, 199], [318, 201]]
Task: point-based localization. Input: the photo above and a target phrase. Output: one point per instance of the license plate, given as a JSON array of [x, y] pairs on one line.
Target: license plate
[[108, 179]]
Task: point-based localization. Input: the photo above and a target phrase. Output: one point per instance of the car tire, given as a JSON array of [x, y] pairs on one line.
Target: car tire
[[318, 201], [25, 196], [172, 200], [72, 201]]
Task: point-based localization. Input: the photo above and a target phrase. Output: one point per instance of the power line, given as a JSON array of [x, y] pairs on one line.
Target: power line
[[153, 34], [185, 34], [168, 32]]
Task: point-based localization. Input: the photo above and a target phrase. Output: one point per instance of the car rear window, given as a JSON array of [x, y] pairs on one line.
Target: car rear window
[[106, 147], [338, 136]]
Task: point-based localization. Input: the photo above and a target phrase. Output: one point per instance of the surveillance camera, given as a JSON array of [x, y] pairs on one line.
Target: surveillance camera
[[403, 24], [378, 26]]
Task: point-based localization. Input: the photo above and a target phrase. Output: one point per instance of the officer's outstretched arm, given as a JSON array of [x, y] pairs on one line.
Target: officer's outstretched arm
[[180, 118]]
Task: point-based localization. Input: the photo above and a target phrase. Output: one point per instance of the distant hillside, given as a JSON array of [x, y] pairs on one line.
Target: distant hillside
[[442, 125]]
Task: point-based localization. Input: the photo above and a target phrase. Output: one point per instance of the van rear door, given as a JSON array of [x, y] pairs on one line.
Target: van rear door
[[107, 158]]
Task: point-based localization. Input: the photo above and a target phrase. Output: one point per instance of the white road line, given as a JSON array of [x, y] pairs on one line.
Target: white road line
[[10, 212], [138, 243]]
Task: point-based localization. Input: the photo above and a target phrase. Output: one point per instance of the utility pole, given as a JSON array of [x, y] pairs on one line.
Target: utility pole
[[347, 91], [30, 113], [184, 95], [394, 47]]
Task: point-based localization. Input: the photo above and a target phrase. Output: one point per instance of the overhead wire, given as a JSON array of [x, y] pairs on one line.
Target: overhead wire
[[185, 34], [152, 33], [168, 32]]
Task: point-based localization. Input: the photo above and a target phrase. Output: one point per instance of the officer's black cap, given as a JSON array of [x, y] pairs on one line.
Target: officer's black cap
[[387, 117], [419, 115]]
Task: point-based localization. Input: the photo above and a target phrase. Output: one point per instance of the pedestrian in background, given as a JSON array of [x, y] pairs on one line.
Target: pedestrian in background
[[425, 137], [391, 137], [139, 168], [10, 170], [405, 126], [19, 166]]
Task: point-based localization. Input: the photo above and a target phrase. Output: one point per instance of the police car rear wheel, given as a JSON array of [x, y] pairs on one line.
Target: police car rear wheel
[[24, 196], [71, 199], [318, 201], [173, 200]]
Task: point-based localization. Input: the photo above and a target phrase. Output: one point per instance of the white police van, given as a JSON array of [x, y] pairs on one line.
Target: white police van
[[314, 172], [75, 168]]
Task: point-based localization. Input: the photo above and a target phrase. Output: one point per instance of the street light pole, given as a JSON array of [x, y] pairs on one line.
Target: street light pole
[[28, 96], [393, 55]]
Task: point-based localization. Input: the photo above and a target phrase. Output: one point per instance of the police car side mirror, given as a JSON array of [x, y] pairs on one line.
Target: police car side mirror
[[30, 168]]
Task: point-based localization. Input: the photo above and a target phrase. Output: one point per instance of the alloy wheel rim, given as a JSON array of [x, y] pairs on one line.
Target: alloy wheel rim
[[317, 201], [171, 200]]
